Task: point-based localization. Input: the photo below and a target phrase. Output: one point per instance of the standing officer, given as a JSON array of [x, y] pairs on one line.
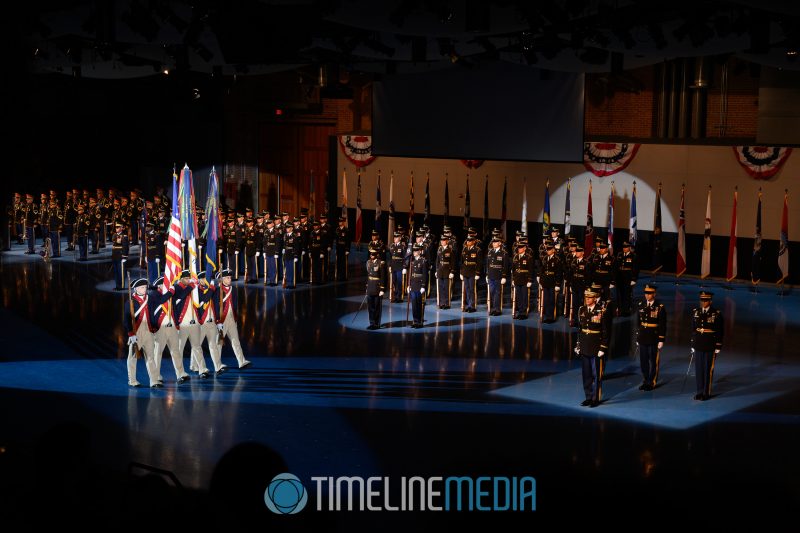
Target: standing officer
[[376, 283], [342, 249], [592, 346], [417, 278], [30, 219], [627, 268], [316, 258], [55, 225], [706, 343], [470, 273], [650, 338], [397, 259], [152, 250], [579, 281], [118, 256], [521, 280], [327, 241], [445, 269], [230, 233], [95, 222], [70, 214], [604, 272], [271, 252], [251, 252], [497, 265], [291, 253], [549, 279], [81, 237]]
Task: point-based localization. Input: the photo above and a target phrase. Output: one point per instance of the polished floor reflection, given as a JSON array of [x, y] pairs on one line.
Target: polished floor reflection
[[467, 394]]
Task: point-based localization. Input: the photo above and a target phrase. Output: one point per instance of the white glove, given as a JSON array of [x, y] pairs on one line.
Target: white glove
[[537, 279], [716, 352], [258, 254], [380, 293], [633, 283], [528, 284], [405, 271], [450, 275], [283, 251], [577, 350], [133, 339], [601, 353], [213, 282], [436, 274], [660, 345], [422, 291], [611, 286], [408, 290], [558, 288], [502, 281], [692, 350], [219, 327], [477, 278], [322, 256], [303, 252], [237, 252], [276, 256], [347, 253], [461, 277], [486, 278], [329, 248], [295, 260]]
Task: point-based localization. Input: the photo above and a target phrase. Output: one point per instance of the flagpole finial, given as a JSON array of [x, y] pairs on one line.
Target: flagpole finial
[[213, 168], [186, 166]]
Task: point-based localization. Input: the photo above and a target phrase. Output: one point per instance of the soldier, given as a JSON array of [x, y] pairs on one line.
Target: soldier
[[104, 206], [44, 218], [471, 261], [207, 317], [70, 214], [376, 242], [226, 309], [549, 280], [17, 217], [522, 265], [152, 252], [627, 268], [238, 256], [592, 346], [397, 260], [707, 333], [56, 225], [166, 335], [95, 221], [291, 254], [604, 272], [81, 237], [271, 252], [185, 316], [202, 242], [342, 250], [445, 271], [231, 254], [118, 257], [302, 231], [251, 252], [376, 284], [139, 324], [650, 336], [579, 280], [315, 252], [135, 216], [497, 265], [327, 241], [418, 275], [30, 218]]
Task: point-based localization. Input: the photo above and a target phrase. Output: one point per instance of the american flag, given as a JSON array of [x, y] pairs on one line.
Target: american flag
[[172, 269]]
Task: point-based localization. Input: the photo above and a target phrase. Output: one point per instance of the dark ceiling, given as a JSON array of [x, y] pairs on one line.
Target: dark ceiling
[[136, 38]]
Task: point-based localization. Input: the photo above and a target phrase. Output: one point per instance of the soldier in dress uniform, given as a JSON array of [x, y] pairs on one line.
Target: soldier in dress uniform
[[497, 266], [251, 252], [579, 281], [471, 261], [291, 255], [140, 326], [70, 214], [55, 219], [226, 308], [593, 338], [166, 335], [316, 246], [549, 279], [627, 268], [707, 331], [118, 257], [327, 244], [302, 231], [44, 218], [376, 284], [230, 233], [207, 317], [418, 276], [18, 217], [152, 252], [522, 266], [95, 221], [30, 219], [445, 272], [185, 317], [604, 272], [397, 260], [342, 249], [652, 330], [135, 216], [238, 245], [376, 242], [271, 252], [81, 238]]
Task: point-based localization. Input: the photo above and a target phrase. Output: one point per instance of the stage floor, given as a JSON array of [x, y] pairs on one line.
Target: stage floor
[[466, 395]]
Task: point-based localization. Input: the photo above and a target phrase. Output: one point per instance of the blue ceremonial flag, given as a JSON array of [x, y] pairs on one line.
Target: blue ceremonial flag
[[188, 218], [211, 231], [567, 225], [632, 231], [546, 213]]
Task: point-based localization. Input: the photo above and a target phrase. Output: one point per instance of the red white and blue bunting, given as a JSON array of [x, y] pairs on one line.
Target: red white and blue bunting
[[357, 149], [761, 162], [605, 159]]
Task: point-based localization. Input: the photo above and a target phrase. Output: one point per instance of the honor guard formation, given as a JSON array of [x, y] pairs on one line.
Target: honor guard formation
[[588, 292]]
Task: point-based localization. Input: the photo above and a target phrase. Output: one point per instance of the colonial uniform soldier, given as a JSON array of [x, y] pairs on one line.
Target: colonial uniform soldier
[[152, 252], [604, 272], [30, 218], [445, 271], [521, 280], [397, 261], [271, 252], [627, 268], [376, 283], [291, 254], [118, 256], [497, 266], [185, 317], [579, 281], [251, 252], [166, 335], [342, 250], [207, 317], [226, 309], [650, 338], [316, 247], [470, 273], [592, 346], [549, 279], [81, 238], [139, 324], [417, 278], [706, 343]]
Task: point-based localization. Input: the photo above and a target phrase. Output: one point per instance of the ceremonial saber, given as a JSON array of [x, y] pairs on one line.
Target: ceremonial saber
[[501, 297], [463, 295], [423, 306], [360, 307], [265, 268], [513, 298], [438, 299], [449, 290], [691, 360], [528, 308], [488, 297], [236, 259]]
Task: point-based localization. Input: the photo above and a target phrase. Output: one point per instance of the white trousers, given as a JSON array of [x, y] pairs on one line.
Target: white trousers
[[191, 332], [146, 342], [167, 337], [231, 333]]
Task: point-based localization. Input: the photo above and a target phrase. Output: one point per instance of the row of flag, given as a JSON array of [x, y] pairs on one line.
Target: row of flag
[[589, 233]]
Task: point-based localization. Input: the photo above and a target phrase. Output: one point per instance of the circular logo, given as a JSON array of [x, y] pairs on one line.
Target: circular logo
[[285, 495]]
